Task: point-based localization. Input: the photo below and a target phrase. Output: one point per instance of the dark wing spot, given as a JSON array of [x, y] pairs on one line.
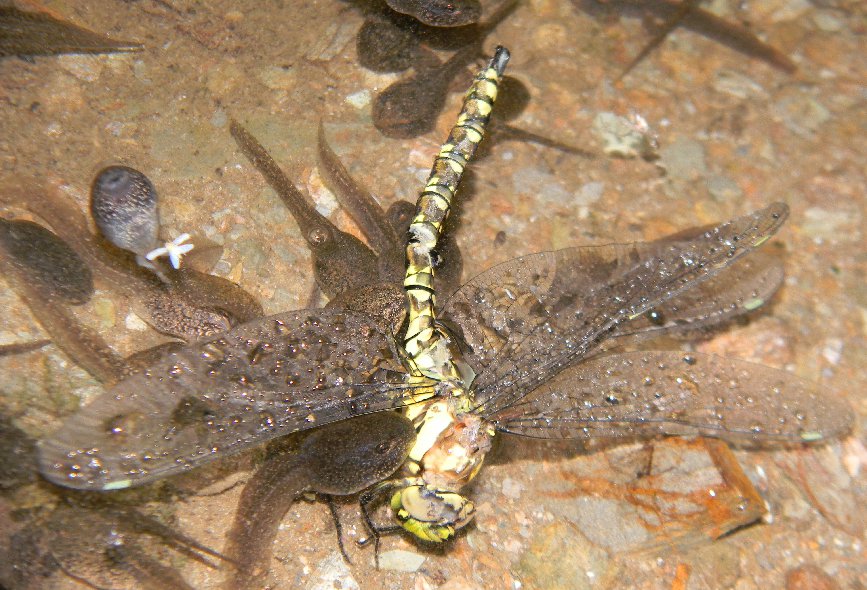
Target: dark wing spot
[[190, 411]]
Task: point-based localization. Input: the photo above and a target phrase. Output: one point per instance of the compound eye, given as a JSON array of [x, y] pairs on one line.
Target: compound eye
[[430, 514]]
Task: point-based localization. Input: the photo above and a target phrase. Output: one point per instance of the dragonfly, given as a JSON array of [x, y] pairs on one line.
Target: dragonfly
[[526, 347]]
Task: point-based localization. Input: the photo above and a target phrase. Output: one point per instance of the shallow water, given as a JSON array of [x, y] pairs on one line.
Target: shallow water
[[734, 134]]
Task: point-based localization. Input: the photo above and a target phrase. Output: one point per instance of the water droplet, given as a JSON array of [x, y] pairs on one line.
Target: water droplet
[[317, 237], [267, 421], [212, 351], [292, 350], [655, 317], [122, 424]]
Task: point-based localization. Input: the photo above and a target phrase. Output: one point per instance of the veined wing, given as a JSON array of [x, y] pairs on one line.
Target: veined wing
[[651, 393], [527, 319], [738, 289], [260, 380]]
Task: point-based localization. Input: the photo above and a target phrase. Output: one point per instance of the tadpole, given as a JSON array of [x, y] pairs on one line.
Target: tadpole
[[386, 230], [339, 459], [48, 285], [189, 294], [340, 260], [409, 107], [52, 266]]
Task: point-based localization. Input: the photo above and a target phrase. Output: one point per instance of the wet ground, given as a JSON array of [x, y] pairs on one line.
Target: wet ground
[[734, 133]]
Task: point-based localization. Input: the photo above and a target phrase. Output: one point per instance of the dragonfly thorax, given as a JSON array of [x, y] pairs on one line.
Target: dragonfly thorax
[[451, 445], [450, 448]]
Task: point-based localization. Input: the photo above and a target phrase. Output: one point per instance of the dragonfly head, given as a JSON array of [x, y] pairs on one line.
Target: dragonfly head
[[430, 514]]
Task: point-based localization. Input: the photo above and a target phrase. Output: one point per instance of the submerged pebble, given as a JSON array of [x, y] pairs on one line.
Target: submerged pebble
[[622, 138], [124, 206], [683, 159], [47, 260], [398, 560]]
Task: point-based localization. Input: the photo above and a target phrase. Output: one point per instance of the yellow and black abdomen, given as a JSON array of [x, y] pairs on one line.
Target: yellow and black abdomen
[[428, 346]]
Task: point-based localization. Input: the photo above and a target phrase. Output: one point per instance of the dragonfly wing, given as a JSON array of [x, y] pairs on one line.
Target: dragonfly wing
[[744, 286], [651, 393], [231, 391], [527, 319]]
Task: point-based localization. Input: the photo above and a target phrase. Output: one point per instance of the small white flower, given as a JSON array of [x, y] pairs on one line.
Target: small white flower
[[174, 250]]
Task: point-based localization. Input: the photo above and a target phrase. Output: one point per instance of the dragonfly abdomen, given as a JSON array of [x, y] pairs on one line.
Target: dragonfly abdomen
[[426, 343]]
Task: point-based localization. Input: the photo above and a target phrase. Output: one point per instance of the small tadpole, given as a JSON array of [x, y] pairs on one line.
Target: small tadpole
[[690, 15], [681, 12]]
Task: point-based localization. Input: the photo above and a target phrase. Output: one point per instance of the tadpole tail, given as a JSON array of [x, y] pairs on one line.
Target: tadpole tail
[[358, 202], [269, 493], [294, 199]]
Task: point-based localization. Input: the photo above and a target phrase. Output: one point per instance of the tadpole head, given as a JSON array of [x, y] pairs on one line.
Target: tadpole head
[[408, 108], [440, 13], [124, 206], [47, 263], [346, 457], [400, 214], [382, 46]]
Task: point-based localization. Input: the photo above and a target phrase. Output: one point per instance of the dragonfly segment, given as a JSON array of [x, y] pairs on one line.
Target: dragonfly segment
[[430, 348], [451, 443]]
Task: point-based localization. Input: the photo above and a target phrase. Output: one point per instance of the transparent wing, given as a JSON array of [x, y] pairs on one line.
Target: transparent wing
[[263, 379], [742, 287], [527, 319], [651, 393]]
